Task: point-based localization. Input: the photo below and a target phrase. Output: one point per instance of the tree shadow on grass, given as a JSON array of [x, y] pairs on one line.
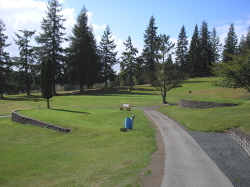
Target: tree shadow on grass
[[62, 110]]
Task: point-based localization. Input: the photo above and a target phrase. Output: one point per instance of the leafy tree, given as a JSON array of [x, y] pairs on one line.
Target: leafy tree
[[47, 79], [234, 73], [169, 76], [194, 54], [206, 53], [182, 49], [230, 47], [26, 59], [51, 40], [108, 56], [150, 51], [216, 46], [129, 61], [4, 59], [83, 58]]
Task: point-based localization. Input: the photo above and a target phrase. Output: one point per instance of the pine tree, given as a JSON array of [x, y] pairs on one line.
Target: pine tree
[[83, 53], [182, 50], [26, 59], [52, 38], [129, 61], [248, 38], [150, 51], [194, 54], [164, 47], [108, 56], [216, 46], [242, 45], [47, 79], [206, 53], [230, 47], [4, 59]]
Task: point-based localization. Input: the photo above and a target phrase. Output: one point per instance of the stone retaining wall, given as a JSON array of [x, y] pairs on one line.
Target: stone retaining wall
[[241, 138], [18, 118], [201, 104]]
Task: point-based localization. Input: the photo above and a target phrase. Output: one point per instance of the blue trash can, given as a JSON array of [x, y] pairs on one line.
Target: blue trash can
[[128, 123]]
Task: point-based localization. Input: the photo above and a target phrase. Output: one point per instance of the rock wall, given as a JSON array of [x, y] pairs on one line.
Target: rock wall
[[18, 118], [201, 104], [241, 138]]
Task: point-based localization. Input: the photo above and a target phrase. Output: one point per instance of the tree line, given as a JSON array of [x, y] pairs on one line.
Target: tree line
[[85, 63]]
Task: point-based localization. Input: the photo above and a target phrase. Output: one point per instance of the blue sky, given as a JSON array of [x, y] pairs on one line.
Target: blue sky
[[131, 17]]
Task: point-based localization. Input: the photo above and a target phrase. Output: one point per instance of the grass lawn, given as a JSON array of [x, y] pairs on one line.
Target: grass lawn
[[96, 153], [213, 119]]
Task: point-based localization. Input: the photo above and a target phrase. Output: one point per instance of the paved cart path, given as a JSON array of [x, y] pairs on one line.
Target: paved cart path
[[186, 164]]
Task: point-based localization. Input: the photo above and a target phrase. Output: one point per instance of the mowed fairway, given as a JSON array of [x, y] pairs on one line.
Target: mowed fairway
[[96, 153]]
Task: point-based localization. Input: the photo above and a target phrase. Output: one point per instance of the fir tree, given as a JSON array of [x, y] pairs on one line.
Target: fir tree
[[26, 59], [230, 47], [4, 59], [194, 54], [51, 40], [206, 53], [150, 51], [216, 46], [83, 57], [108, 56], [182, 50], [129, 61], [164, 47]]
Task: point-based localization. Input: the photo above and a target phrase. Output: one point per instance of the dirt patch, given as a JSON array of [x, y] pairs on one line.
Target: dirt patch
[[153, 174]]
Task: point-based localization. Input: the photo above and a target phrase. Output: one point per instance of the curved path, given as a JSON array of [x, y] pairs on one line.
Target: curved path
[[186, 164]]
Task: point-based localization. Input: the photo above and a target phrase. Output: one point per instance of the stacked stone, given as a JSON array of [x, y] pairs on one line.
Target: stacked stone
[[242, 139], [201, 104], [18, 118]]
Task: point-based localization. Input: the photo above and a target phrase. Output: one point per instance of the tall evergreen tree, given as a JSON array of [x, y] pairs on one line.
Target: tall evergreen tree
[[108, 56], [129, 61], [242, 45], [150, 51], [51, 40], [216, 46], [182, 49], [47, 79], [194, 54], [164, 47], [83, 57], [206, 53], [230, 47], [4, 59], [26, 59], [248, 38]]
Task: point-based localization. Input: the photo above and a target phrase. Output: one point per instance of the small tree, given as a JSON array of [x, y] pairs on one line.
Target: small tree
[[47, 79], [169, 76], [234, 73]]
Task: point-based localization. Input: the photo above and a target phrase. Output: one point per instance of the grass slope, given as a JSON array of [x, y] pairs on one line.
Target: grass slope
[[213, 119]]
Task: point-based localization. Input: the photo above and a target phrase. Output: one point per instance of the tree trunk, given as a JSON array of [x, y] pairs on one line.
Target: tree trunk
[[164, 95], [48, 106], [81, 87], [1, 93], [54, 89]]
